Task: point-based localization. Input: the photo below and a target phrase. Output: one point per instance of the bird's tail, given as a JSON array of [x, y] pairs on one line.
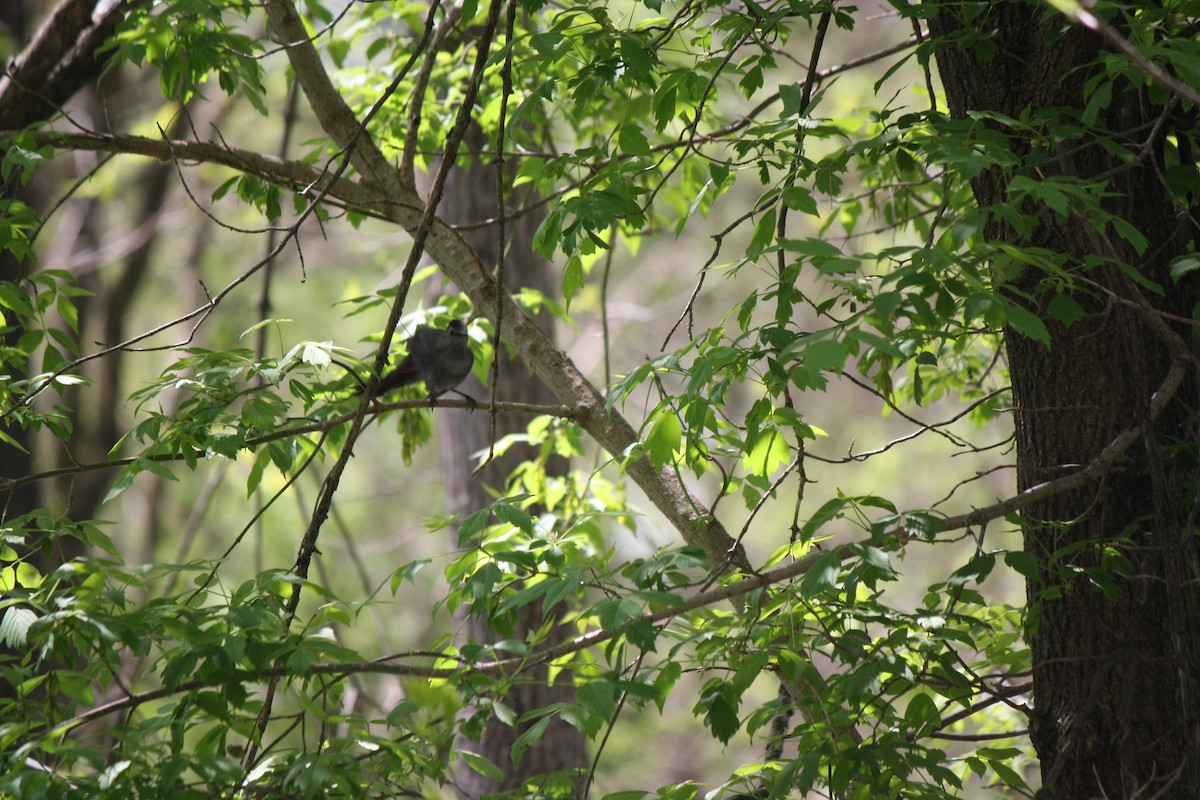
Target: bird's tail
[[403, 375]]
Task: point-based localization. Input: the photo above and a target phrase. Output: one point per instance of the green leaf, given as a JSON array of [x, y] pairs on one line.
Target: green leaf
[[813, 247], [614, 612], [823, 575], [572, 279], [632, 140], [1142, 279], [768, 453], [481, 765], [976, 570], [599, 697], [123, 482], [408, 572], [1025, 322], [1007, 774], [863, 681], [28, 575], [1131, 235], [719, 702], [1064, 308], [790, 94], [561, 589], [785, 780], [180, 668], [155, 466], [338, 50], [664, 106], [643, 635], [1184, 265], [68, 312], [548, 236], [763, 236], [819, 354], [922, 715], [526, 595], [663, 441], [751, 82], [257, 469], [15, 624], [475, 522], [517, 517], [529, 738], [1023, 562], [798, 198]]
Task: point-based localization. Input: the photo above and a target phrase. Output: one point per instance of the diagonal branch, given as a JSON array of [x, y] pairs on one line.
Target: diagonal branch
[[386, 194], [335, 115], [398, 201]]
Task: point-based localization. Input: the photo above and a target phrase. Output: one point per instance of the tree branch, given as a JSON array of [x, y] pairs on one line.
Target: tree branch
[[400, 203], [559, 373], [323, 426], [498, 667], [387, 195], [292, 174]]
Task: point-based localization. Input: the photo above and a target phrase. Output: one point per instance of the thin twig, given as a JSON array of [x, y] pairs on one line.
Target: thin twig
[[431, 46]]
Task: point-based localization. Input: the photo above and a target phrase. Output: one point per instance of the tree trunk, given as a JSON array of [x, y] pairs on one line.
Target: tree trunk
[[470, 197], [1115, 650], [17, 460]]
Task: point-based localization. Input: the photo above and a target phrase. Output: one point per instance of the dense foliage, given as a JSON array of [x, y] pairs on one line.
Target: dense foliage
[[839, 641]]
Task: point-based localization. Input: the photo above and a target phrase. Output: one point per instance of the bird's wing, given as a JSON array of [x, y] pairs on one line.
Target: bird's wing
[[424, 343], [421, 346]]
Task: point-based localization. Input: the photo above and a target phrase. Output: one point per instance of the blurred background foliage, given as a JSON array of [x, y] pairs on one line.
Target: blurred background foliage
[[845, 322]]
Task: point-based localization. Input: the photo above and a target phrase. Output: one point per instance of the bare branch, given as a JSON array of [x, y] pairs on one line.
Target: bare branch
[[292, 174]]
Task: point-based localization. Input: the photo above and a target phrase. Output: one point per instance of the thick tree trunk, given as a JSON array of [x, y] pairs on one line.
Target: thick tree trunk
[[1114, 647], [471, 197]]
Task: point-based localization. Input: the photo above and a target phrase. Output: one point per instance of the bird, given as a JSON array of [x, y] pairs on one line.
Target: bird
[[440, 358]]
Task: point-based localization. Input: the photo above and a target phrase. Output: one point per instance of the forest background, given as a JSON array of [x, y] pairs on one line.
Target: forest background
[[840, 442]]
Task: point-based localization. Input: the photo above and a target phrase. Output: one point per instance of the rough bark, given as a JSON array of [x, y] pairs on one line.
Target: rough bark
[[1115, 677]]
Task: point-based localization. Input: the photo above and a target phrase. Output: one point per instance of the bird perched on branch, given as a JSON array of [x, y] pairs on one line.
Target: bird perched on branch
[[442, 359]]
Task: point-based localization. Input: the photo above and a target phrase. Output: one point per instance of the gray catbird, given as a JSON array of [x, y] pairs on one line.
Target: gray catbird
[[442, 359]]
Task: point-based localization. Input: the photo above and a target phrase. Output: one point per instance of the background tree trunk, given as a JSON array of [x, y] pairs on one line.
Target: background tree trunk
[[470, 197], [1115, 673], [17, 460]]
